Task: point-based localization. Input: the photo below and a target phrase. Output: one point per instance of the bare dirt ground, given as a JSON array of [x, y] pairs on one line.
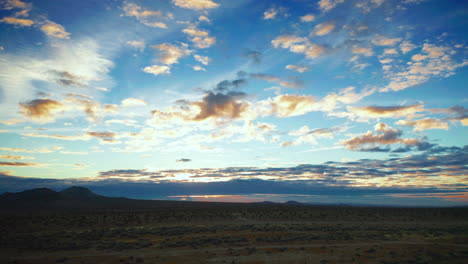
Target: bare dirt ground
[[236, 233]]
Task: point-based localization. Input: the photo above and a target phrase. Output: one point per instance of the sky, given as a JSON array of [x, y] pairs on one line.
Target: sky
[[329, 101]]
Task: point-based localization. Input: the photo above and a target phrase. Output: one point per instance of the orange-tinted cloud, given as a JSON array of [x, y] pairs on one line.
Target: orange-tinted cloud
[[55, 30], [424, 124], [386, 111], [291, 105], [41, 110], [384, 135], [17, 21], [18, 164]]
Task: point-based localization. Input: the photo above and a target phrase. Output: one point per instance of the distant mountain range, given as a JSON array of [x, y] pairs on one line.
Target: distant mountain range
[[46, 194], [70, 198], [82, 198]]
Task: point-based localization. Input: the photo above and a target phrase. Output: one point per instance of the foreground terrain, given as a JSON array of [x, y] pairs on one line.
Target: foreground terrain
[[98, 229]]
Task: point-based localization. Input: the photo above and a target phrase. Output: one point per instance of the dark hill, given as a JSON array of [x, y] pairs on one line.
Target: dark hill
[[76, 192], [39, 194], [292, 202]]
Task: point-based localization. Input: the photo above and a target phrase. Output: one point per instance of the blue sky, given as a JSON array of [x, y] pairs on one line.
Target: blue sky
[[365, 95]]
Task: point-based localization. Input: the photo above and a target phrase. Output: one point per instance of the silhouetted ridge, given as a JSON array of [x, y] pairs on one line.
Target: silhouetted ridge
[[292, 202], [41, 194], [77, 192]]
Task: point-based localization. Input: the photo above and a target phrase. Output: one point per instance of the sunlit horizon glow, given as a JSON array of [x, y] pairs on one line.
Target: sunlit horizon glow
[[356, 100]]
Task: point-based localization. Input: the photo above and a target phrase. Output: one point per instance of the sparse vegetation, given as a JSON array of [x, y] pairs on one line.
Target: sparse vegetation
[[191, 232]]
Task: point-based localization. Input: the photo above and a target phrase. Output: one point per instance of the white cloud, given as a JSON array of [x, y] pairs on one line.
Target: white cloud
[[362, 51], [432, 61], [158, 69], [195, 4], [383, 41], [299, 45], [198, 68], [307, 18], [323, 29], [300, 69], [128, 102], [202, 59], [327, 5], [270, 13], [406, 47], [203, 18], [170, 54], [139, 45], [79, 60], [200, 38], [146, 17]]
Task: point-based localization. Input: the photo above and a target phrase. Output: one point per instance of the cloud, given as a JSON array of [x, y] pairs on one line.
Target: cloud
[[128, 174], [291, 105], [432, 61], [204, 18], [41, 150], [367, 5], [41, 110], [66, 78], [13, 4], [397, 175], [362, 51], [273, 12], [195, 4], [298, 68], [270, 78], [55, 30], [383, 41], [384, 135], [157, 69], [386, 111], [13, 157], [457, 112], [17, 21], [424, 124], [104, 137], [139, 45], [129, 102], [219, 105], [305, 135], [255, 56], [299, 45], [146, 17], [307, 18], [270, 13], [418, 174], [125, 122], [198, 68], [24, 9], [183, 160], [407, 46], [170, 54], [323, 29], [202, 59], [235, 84], [76, 63], [327, 5], [200, 38], [94, 110], [18, 164], [61, 137]]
